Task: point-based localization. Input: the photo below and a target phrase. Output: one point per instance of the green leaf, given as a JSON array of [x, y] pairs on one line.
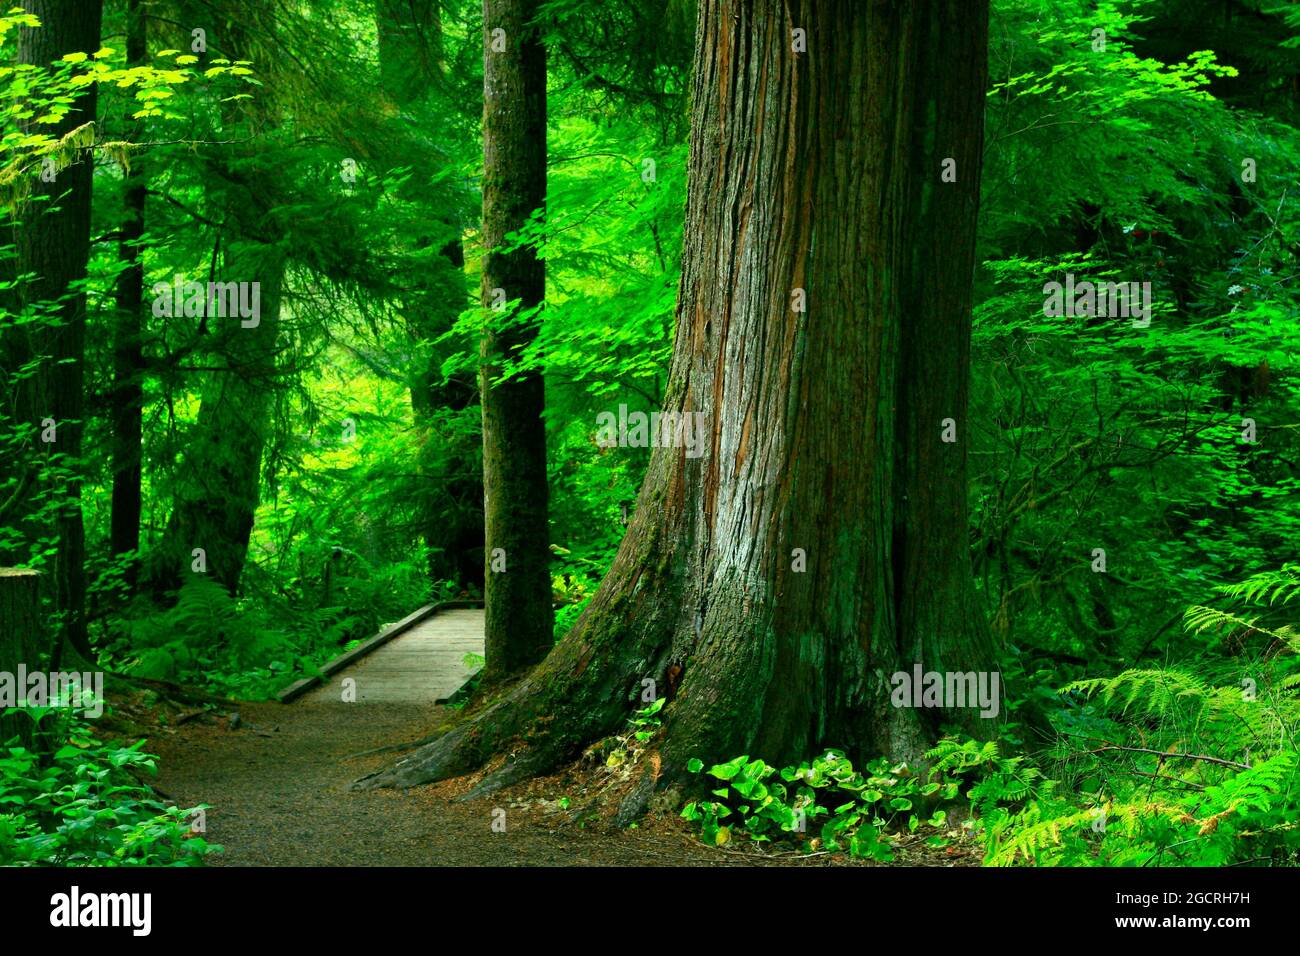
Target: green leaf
[[728, 770]]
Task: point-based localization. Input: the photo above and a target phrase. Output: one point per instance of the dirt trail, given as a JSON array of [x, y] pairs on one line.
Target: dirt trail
[[278, 791]]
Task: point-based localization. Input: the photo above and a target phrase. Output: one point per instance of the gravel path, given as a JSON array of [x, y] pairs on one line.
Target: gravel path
[[278, 792]]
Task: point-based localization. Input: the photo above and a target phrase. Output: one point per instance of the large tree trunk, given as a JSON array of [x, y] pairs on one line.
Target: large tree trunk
[[52, 246], [127, 397], [19, 639], [820, 173], [517, 591]]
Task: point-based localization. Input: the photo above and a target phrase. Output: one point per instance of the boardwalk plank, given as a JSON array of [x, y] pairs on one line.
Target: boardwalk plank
[[423, 664]]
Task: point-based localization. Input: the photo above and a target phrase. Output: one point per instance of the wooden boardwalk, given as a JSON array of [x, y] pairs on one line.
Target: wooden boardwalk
[[418, 660]]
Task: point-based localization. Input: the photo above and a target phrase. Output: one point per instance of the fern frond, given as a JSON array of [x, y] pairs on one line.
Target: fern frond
[[1151, 691]]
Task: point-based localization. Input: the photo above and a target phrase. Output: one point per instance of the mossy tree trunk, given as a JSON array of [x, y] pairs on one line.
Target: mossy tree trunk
[[517, 590], [19, 629], [52, 246], [771, 587]]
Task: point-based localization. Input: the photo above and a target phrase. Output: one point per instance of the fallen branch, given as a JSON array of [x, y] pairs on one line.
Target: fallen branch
[[1164, 753], [175, 691]]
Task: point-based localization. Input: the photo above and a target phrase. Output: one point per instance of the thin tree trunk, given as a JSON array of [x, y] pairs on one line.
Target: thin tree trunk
[[19, 627], [519, 615], [127, 397], [815, 180]]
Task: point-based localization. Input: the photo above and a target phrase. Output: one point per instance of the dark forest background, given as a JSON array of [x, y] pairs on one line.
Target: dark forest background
[[328, 463]]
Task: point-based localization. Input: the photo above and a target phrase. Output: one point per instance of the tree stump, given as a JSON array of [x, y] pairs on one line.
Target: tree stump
[[19, 616]]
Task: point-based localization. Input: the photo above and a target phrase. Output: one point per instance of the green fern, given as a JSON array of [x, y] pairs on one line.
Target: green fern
[[1271, 590], [1192, 765], [1155, 691], [999, 780]]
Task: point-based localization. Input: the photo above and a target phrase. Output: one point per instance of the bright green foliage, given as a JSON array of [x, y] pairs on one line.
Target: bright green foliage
[[622, 751], [1195, 765], [204, 628], [85, 805], [995, 780], [1128, 140], [1093, 433], [863, 814], [166, 89]]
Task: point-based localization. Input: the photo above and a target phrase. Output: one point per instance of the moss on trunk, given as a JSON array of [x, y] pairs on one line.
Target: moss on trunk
[[772, 586]]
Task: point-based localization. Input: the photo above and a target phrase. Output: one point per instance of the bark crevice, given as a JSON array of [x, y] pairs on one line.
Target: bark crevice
[[818, 172]]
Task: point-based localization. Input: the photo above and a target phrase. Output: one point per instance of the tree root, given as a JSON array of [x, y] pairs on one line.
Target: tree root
[[634, 805], [532, 762], [436, 761], [398, 748]]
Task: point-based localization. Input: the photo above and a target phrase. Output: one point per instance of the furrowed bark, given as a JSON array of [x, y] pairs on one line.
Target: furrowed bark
[[19, 630], [517, 591], [816, 179], [52, 247]]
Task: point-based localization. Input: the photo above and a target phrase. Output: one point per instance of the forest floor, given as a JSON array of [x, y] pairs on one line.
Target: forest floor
[[277, 786]]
